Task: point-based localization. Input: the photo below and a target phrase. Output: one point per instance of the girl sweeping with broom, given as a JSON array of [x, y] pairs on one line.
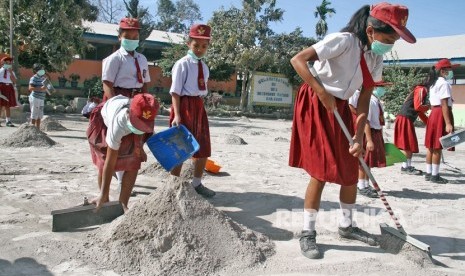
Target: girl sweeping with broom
[[344, 62]]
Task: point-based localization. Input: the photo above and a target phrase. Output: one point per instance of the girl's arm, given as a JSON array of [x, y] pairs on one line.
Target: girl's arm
[[299, 62], [107, 174], [370, 145], [446, 115], [176, 99]]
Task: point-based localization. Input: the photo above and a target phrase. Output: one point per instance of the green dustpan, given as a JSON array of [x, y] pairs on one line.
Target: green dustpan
[[393, 154]]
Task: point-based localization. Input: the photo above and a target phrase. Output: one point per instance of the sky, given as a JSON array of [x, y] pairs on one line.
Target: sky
[[427, 18]]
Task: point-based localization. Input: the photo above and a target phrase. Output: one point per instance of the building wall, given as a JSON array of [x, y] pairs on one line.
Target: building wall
[[90, 68]]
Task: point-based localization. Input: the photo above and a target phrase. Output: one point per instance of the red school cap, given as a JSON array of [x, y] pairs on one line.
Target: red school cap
[[445, 63], [142, 112], [129, 23], [395, 16], [6, 58], [200, 31]]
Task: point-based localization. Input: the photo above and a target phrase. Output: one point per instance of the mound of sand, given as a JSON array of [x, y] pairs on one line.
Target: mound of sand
[[49, 124], [232, 139], [28, 136], [244, 119], [174, 231]]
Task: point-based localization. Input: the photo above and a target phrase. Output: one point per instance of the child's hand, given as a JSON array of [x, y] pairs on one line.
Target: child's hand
[[176, 121], [449, 128], [370, 146], [356, 149]]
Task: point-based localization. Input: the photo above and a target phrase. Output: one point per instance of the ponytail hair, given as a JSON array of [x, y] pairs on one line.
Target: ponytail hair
[[361, 20], [433, 76]]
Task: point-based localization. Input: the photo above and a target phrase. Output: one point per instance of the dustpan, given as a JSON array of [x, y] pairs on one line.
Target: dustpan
[[393, 154], [173, 146]]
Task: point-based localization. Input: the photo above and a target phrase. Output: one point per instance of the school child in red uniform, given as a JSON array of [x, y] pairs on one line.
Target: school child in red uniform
[[375, 155], [117, 132], [7, 82], [189, 86], [344, 61], [405, 137], [441, 119], [126, 72]]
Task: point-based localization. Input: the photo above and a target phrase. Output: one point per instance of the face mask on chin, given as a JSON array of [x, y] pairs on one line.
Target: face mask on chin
[[450, 75]]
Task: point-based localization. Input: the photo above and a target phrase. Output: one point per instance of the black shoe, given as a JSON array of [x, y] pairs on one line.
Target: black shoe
[[204, 191], [411, 170], [308, 245], [438, 179], [9, 124], [427, 176], [368, 192], [355, 233]]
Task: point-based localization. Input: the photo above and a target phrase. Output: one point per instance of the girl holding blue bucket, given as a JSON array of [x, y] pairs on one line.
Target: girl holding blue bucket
[[189, 86]]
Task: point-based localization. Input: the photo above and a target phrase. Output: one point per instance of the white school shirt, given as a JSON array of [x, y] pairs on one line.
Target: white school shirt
[[338, 64], [7, 79], [374, 113], [353, 100], [184, 77], [120, 69], [440, 90], [115, 116]]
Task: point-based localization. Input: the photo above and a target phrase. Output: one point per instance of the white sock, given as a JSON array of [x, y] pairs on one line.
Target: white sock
[[409, 162], [404, 165], [196, 181], [429, 168], [435, 170], [310, 219], [367, 183], [7, 119], [345, 215], [361, 184]]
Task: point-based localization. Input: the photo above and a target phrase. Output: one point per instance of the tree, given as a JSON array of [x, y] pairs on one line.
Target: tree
[[145, 19], [177, 17], [239, 37], [110, 11], [321, 11], [49, 32], [403, 82]]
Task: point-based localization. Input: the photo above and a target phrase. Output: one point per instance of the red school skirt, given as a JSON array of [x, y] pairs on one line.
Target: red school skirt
[[377, 157], [318, 144], [405, 137], [8, 91], [194, 118], [436, 128]]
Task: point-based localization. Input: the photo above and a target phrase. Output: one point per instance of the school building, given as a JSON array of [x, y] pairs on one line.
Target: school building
[[426, 52]]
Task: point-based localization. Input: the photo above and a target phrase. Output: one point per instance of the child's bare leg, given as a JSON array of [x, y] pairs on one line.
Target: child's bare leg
[[129, 178], [313, 194], [199, 166], [176, 171]]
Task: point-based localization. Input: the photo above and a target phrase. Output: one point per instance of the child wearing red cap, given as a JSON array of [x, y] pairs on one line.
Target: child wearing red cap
[[117, 131], [405, 138], [7, 82], [126, 72], [441, 119], [344, 61], [189, 87]]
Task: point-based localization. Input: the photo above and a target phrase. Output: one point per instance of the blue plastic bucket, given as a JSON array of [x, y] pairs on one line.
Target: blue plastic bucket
[[173, 146]]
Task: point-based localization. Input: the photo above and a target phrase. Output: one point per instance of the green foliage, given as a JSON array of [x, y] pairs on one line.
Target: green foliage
[[50, 32], [321, 11], [403, 82], [177, 17], [169, 56], [93, 87]]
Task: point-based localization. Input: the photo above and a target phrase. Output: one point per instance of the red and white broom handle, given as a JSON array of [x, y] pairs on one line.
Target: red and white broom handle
[[368, 172]]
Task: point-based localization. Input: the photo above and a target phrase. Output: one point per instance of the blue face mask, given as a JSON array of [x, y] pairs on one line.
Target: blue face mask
[[379, 92], [41, 72], [133, 129], [129, 44], [380, 48], [7, 66], [194, 56], [450, 75]]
